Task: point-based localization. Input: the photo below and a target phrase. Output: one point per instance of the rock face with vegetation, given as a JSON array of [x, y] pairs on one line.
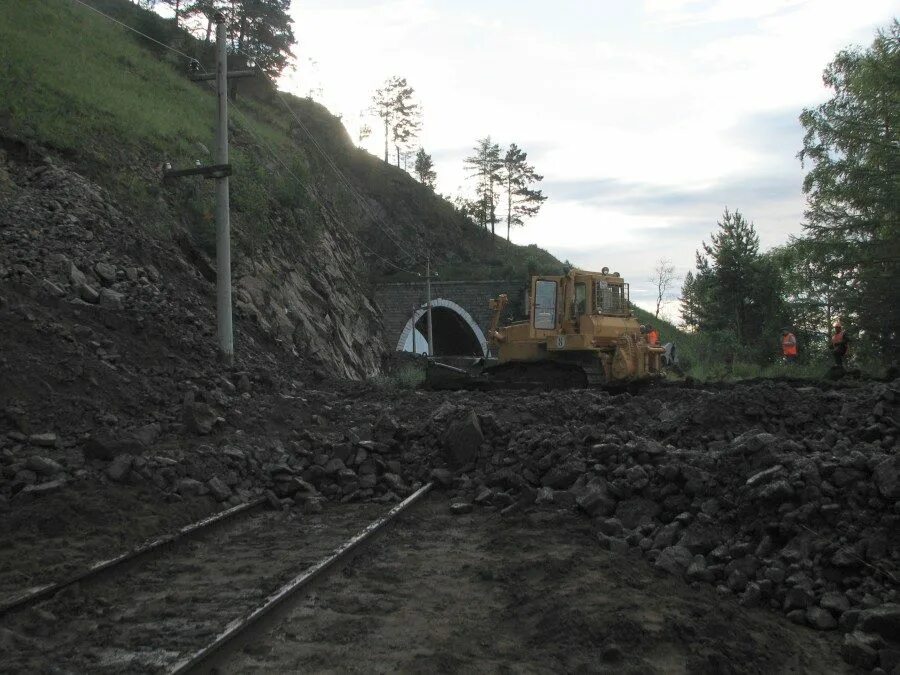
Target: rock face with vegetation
[[65, 237], [315, 221]]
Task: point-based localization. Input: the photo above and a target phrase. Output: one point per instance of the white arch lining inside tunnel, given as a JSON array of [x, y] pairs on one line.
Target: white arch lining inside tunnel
[[448, 304]]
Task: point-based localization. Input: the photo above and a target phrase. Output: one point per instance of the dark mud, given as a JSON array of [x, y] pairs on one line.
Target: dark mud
[[532, 593]]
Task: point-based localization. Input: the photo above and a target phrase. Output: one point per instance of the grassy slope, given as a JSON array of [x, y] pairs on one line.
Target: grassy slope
[[118, 105]]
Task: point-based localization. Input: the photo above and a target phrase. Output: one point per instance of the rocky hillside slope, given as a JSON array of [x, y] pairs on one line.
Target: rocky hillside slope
[[315, 220]]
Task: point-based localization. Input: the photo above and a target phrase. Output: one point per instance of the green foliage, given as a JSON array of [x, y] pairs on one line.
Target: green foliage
[[484, 167], [853, 216], [424, 168], [260, 33], [78, 88], [517, 176], [736, 292], [809, 294], [407, 376], [108, 98], [393, 103]]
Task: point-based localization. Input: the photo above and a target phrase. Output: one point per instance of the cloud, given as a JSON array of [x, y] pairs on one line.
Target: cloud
[[646, 119], [656, 200], [697, 12]]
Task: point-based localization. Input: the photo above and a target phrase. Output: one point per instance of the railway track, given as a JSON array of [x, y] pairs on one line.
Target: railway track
[[188, 606], [122, 562]]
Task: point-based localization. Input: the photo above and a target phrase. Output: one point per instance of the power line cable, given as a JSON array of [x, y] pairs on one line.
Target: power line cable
[[312, 195], [341, 177], [135, 30]]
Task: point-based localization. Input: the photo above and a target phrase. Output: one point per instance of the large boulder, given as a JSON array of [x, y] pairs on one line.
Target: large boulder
[[675, 560], [635, 511], [883, 620], [859, 650], [701, 537], [198, 418], [562, 476], [596, 501], [43, 465], [120, 468], [462, 440], [105, 447], [887, 477]]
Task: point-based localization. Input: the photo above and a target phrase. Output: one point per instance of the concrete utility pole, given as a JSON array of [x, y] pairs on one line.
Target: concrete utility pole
[[220, 172], [223, 224], [428, 295]]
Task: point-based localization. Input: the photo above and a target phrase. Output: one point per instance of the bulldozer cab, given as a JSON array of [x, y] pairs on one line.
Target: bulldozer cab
[[559, 300]]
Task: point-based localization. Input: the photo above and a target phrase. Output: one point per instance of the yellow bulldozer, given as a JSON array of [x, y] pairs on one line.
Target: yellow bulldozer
[[579, 331]]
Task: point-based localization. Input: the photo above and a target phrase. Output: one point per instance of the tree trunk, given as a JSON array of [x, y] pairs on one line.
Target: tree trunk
[[240, 50], [208, 28], [385, 139], [508, 205], [492, 213], [177, 9], [397, 148]]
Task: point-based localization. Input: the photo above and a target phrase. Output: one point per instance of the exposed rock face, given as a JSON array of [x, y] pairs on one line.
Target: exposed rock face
[[311, 301], [64, 236]]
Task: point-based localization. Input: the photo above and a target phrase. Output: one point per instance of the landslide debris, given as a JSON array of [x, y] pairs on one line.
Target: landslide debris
[[782, 496]]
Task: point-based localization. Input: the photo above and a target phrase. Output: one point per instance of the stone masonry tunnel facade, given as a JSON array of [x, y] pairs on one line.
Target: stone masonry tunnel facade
[[460, 312]]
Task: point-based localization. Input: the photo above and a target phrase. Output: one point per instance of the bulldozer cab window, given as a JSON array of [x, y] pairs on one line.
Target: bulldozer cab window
[[611, 298], [580, 299], [545, 304]]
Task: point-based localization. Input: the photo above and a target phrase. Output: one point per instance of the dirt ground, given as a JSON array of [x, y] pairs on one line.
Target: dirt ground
[[534, 593]]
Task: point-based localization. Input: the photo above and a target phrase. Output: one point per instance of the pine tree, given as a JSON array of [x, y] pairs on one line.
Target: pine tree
[[517, 177], [364, 132], [261, 34], [485, 167], [205, 8], [424, 168], [736, 291], [394, 105], [689, 302], [852, 142]]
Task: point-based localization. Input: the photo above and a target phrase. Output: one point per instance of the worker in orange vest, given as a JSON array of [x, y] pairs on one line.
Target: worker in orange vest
[[652, 336], [840, 345], [788, 345]]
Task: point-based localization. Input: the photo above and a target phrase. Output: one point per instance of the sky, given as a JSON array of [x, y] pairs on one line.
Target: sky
[[647, 118]]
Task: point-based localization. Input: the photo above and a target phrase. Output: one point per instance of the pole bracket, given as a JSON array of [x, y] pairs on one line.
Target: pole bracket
[[233, 75], [212, 171]]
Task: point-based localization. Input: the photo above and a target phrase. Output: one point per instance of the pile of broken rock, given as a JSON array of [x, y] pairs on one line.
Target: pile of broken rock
[[801, 515]]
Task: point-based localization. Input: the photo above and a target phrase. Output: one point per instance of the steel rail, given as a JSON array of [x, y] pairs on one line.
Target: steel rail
[[34, 595], [202, 659]]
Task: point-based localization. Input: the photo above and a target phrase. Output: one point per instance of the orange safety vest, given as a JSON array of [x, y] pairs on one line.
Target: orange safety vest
[[789, 345], [653, 337]]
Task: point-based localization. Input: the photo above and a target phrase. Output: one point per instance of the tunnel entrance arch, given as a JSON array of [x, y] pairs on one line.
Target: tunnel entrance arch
[[456, 333]]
